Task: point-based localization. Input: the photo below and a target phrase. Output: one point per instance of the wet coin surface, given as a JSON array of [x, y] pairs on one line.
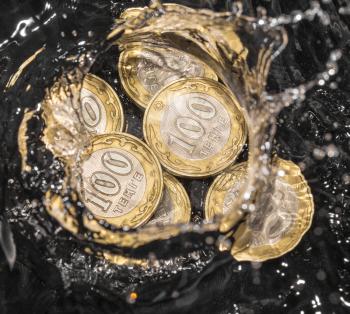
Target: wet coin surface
[[100, 108], [121, 180], [175, 206], [195, 127], [283, 223], [144, 70]]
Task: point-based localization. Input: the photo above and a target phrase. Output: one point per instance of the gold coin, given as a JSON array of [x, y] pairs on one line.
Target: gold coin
[[121, 180], [195, 127], [144, 70], [175, 206], [222, 33], [280, 226], [100, 108]]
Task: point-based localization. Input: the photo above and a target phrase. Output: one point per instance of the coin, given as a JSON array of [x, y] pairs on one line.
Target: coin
[[175, 206], [223, 33], [195, 127], [144, 70], [283, 223], [100, 108], [121, 180]]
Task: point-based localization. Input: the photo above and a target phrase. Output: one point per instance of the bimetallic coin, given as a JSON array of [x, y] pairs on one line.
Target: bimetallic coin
[[121, 180], [100, 108], [144, 70], [195, 127], [281, 225], [175, 206]]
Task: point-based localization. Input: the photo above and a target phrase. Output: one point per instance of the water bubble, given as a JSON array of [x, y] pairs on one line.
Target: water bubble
[[319, 153], [332, 151], [346, 179], [321, 275]]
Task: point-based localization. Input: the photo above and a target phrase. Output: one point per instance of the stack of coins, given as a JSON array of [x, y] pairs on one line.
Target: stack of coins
[[193, 127]]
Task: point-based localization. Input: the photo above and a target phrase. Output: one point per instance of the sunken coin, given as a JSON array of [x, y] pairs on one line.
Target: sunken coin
[[195, 127], [175, 206], [281, 225]]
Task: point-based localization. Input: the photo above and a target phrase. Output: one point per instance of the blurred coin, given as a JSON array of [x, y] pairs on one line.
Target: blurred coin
[[144, 70], [121, 180], [276, 230], [175, 206], [195, 127], [100, 108]]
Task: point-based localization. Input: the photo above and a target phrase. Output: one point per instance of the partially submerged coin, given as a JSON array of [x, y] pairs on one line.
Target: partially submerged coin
[[175, 206], [100, 108], [73, 112], [121, 180], [283, 223], [145, 69], [224, 34], [195, 127]]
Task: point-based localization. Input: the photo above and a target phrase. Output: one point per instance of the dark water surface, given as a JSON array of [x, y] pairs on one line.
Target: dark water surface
[[313, 278]]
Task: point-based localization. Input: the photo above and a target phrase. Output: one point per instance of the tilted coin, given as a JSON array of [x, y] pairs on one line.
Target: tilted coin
[[279, 227], [144, 70], [100, 108], [195, 127], [175, 206], [121, 180], [75, 112], [223, 34]]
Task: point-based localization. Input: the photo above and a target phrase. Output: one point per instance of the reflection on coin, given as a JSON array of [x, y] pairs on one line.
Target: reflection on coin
[[282, 224], [100, 108], [175, 206], [121, 180], [144, 70], [195, 127]]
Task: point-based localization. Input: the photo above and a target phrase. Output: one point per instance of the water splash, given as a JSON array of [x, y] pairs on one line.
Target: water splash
[[219, 55]]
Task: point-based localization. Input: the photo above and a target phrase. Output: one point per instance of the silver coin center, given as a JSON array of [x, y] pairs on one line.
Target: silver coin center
[[272, 223], [92, 112], [157, 69], [113, 182], [195, 126]]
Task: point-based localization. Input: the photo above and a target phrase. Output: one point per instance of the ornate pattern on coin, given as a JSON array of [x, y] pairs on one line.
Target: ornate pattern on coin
[[283, 223], [100, 108], [175, 206], [144, 70], [121, 180], [195, 127]]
